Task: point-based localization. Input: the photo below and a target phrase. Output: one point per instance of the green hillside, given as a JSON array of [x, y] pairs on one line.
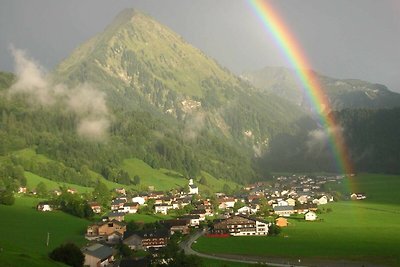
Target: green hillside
[[33, 180], [22, 220], [160, 179]]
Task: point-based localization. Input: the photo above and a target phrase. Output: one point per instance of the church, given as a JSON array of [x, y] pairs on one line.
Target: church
[[193, 189]]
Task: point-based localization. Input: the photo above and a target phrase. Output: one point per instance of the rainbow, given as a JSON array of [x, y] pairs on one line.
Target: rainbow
[[294, 54]]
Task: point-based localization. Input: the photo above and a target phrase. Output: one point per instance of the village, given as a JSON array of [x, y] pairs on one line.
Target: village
[[260, 209]]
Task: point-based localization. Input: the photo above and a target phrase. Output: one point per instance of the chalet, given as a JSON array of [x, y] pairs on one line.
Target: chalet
[[200, 212], [226, 202], [358, 196], [45, 206], [120, 191], [282, 202], [57, 192], [304, 208], [130, 207], [281, 222], [207, 208], [98, 255], [176, 204], [194, 220], [147, 239], [291, 202], [162, 208], [285, 211], [247, 210], [310, 216], [118, 204], [238, 225], [158, 201], [118, 216], [321, 201], [22, 190], [71, 191], [156, 194], [251, 198], [96, 208], [114, 238], [103, 230], [303, 198], [177, 225]]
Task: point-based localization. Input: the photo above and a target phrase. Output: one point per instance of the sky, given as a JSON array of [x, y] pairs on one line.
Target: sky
[[357, 39]]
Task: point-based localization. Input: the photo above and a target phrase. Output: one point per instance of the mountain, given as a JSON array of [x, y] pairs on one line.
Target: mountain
[[161, 101], [342, 94], [143, 65]]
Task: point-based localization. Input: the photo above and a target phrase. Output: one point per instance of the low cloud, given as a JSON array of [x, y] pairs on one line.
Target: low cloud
[[83, 100], [194, 123], [318, 140]]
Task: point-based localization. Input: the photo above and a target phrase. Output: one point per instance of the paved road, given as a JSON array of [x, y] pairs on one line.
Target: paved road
[[271, 261], [187, 247]]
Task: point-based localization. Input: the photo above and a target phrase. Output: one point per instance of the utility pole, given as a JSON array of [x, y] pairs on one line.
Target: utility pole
[[48, 239]]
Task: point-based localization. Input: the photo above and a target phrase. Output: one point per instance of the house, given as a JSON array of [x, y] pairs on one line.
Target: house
[[358, 196], [207, 208], [310, 216], [281, 222], [282, 202], [285, 211], [104, 230], [291, 202], [147, 239], [156, 194], [98, 255], [114, 238], [134, 242], [44, 206], [118, 216], [118, 204], [321, 201], [22, 190], [139, 199], [239, 225], [71, 191], [131, 207], [247, 210], [57, 192], [193, 189], [162, 208], [303, 199], [226, 202], [194, 220], [120, 191], [201, 212], [96, 208], [177, 225]]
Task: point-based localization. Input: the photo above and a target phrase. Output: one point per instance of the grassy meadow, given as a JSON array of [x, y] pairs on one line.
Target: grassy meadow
[[355, 230], [161, 179], [164, 179], [32, 180], [23, 233]]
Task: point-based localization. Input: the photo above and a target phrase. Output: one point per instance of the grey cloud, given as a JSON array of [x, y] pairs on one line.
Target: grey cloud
[[87, 103]]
